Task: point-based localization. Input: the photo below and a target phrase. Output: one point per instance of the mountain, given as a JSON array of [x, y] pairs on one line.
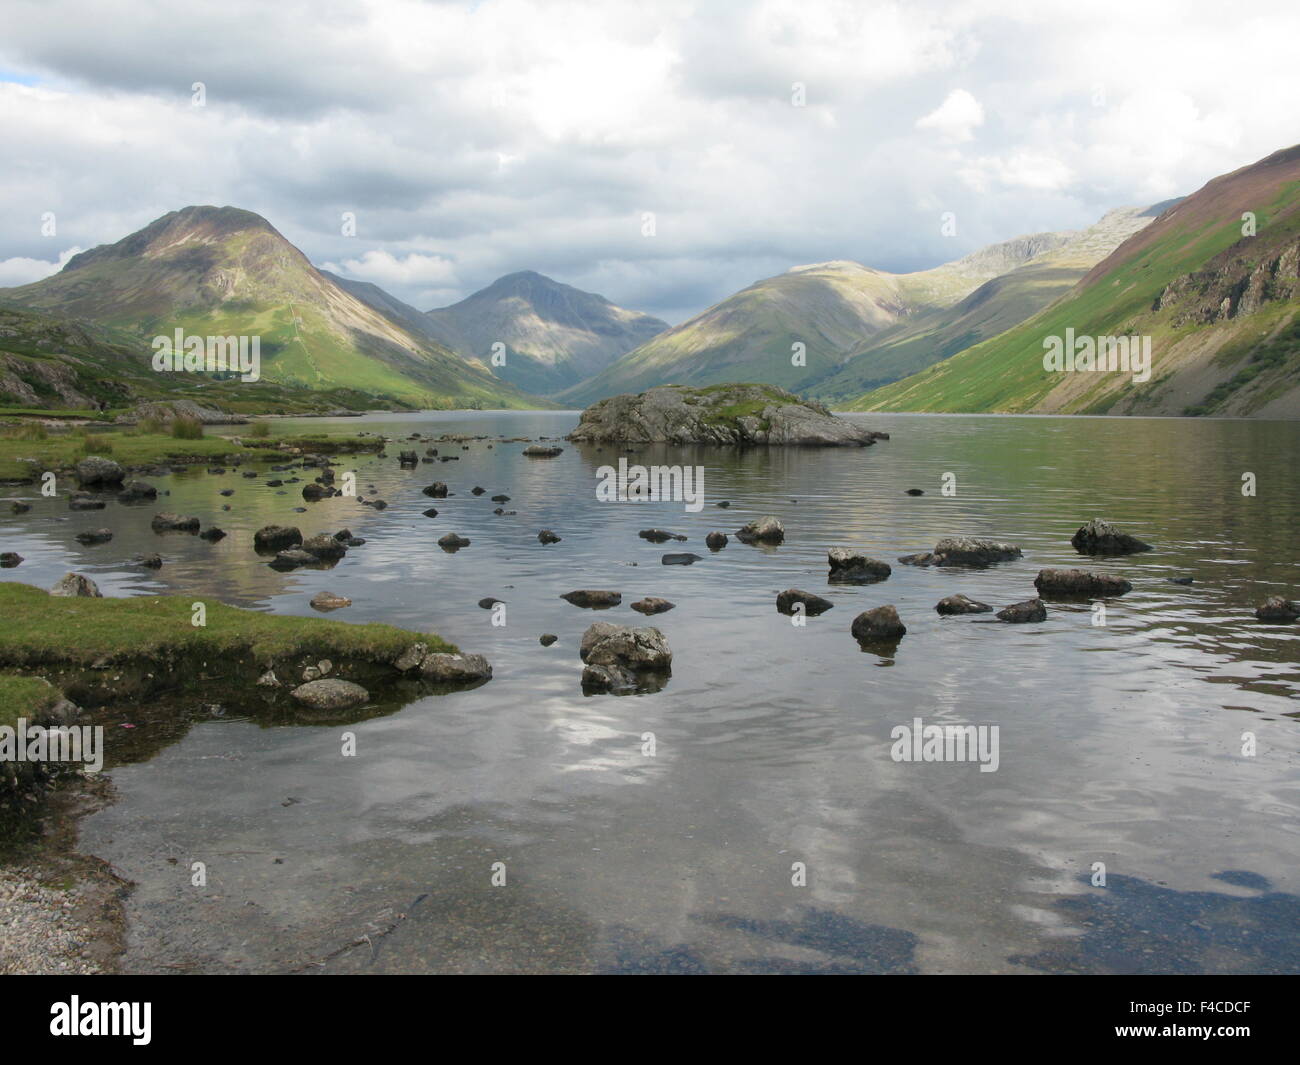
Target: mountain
[[227, 272], [1219, 303], [932, 335], [554, 335], [830, 308]]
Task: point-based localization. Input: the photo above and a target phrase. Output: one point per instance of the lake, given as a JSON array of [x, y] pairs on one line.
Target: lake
[[769, 829]]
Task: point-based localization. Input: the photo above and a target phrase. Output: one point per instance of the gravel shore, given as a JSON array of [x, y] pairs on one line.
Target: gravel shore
[[43, 929]]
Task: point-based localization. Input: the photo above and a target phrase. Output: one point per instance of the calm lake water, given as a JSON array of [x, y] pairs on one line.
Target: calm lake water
[[1119, 744]]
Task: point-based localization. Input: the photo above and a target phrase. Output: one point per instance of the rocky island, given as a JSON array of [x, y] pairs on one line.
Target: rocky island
[[742, 414]]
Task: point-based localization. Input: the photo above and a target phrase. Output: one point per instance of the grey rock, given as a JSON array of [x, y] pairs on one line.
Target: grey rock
[[442, 666], [677, 415], [964, 551], [716, 541], [620, 658], [547, 537], [276, 537], [596, 599], [1079, 582], [137, 492], [10, 559], [879, 624], [813, 605], [331, 694], [541, 451], [166, 522], [547, 638], [853, 567], [680, 558], [74, 585], [1101, 538], [768, 530], [452, 542], [960, 604], [96, 470], [659, 536], [326, 600], [652, 605], [1276, 608], [1029, 610], [94, 536], [437, 490], [325, 547]]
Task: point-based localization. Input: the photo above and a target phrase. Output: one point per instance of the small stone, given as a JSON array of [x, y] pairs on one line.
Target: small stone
[[74, 585], [652, 605], [960, 604], [1019, 613], [331, 694], [881, 623], [813, 605], [325, 600], [547, 638]]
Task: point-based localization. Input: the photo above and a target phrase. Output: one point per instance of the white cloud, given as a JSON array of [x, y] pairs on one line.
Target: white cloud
[[955, 118], [23, 271], [475, 139]]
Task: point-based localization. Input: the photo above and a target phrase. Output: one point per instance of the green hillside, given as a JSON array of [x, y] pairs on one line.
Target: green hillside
[[1219, 307], [227, 272]]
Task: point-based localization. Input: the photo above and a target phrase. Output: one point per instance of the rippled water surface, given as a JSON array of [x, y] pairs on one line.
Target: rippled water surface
[[1119, 743]]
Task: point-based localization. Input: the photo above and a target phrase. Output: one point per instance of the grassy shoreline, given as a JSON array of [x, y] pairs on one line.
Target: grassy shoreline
[[25, 456]]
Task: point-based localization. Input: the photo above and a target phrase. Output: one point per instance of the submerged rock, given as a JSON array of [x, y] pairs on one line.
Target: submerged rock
[[147, 561], [1101, 538], [659, 536], [879, 624], [166, 522], [331, 694], [1079, 582], [621, 659], [1276, 608], [137, 492], [74, 585], [325, 547], [94, 536], [212, 534], [442, 666], [853, 567], [593, 598], [723, 414], [547, 537], [960, 604], [768, 530], [97, 470], [1029, 610], [437, 490], [452, 542], [964, 551], [652, 605], [84, 501], [716, 541], [276, 537], [812, 604], [541, 451], [680, 558], [325, 600], [19, 507]]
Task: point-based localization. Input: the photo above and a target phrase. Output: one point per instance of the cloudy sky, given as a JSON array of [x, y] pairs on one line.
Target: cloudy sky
[[474, 139]]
